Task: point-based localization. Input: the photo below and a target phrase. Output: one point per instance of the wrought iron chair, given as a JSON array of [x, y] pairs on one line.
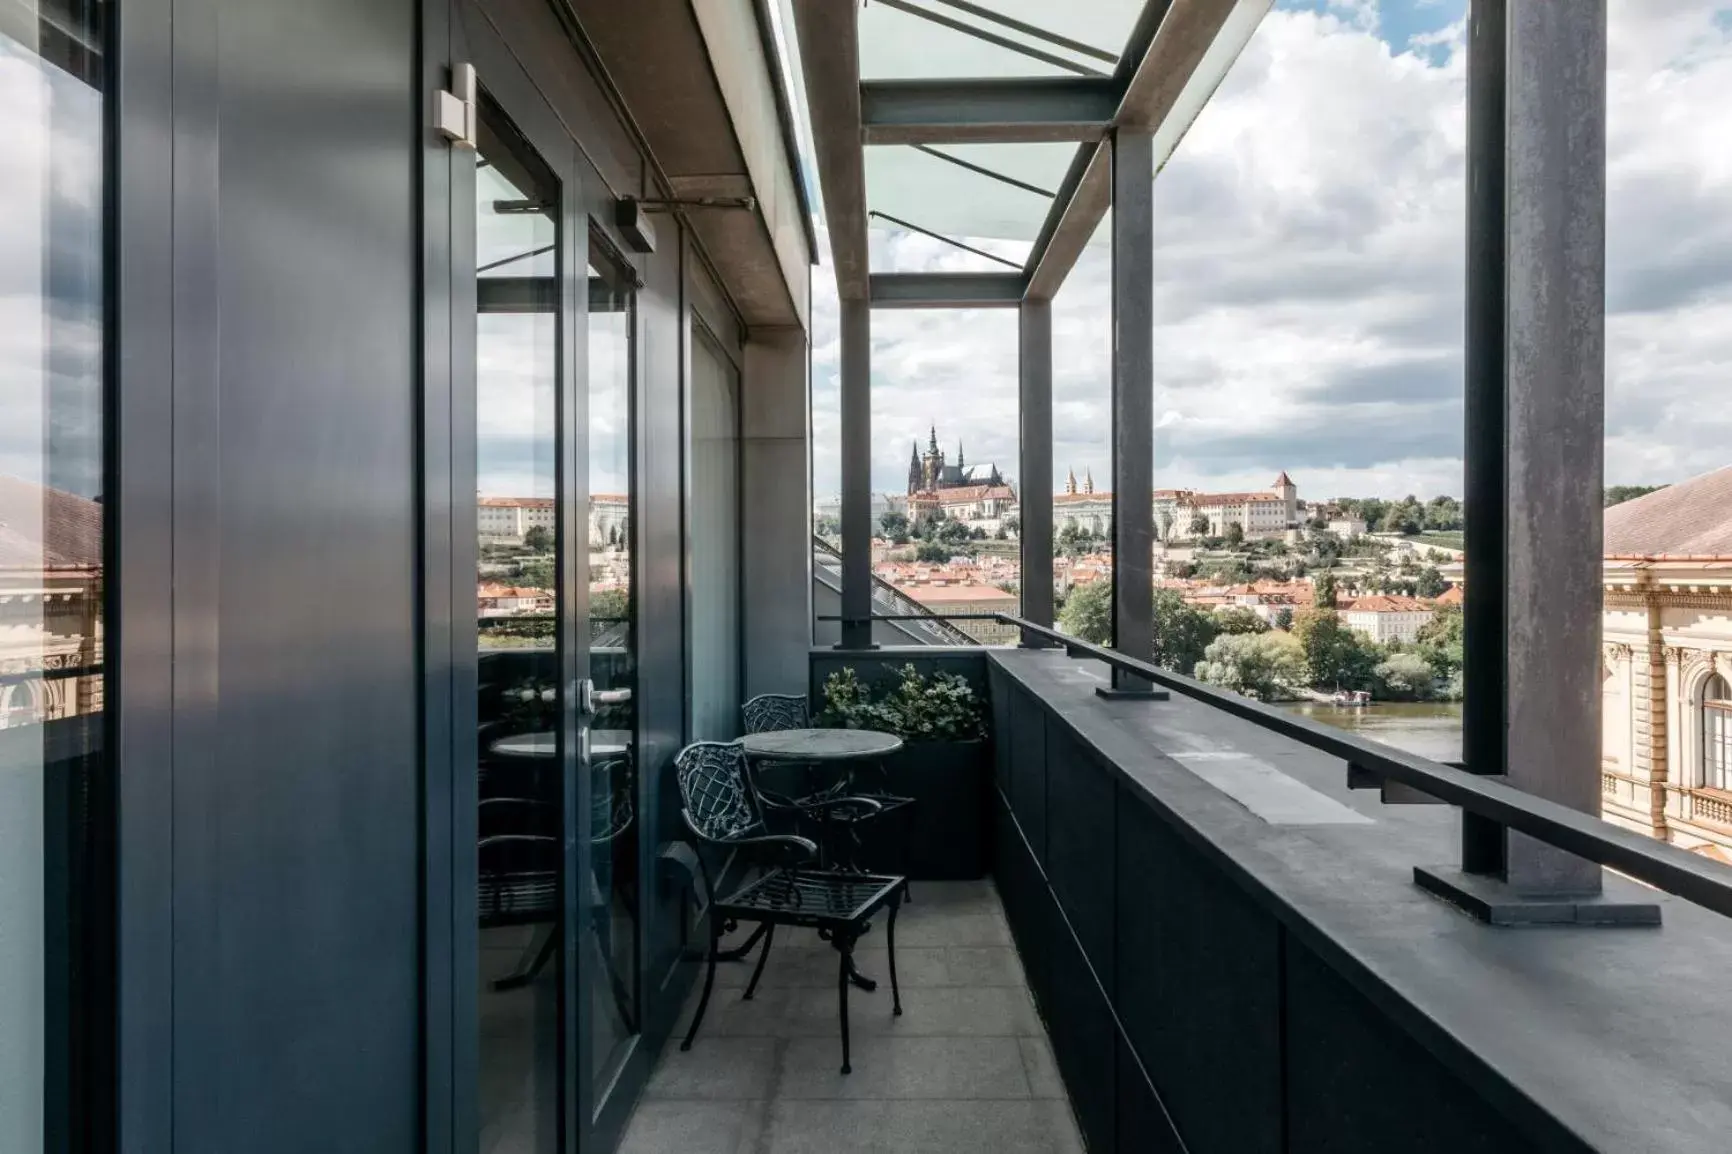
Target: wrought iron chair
[[721, 808], [517, 884], [770, 712], [773, 712], [519, 854]]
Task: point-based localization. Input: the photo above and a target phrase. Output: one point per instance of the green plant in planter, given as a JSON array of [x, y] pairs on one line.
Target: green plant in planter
[[943, 707]]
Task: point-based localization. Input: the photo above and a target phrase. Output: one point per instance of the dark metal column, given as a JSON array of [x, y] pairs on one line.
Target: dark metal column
[[1133, 188], [1535, 412], [856, 390], [1554, 434], [1483, 650], [1034, 462]]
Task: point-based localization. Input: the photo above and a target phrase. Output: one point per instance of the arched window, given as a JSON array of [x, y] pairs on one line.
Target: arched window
[[1717, 734]]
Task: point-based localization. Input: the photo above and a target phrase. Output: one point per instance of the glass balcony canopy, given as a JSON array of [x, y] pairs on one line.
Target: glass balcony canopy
[[961, 205], [976, 207], [933, 39]]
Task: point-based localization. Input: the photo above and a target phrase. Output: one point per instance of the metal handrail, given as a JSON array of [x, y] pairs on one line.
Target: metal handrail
[[1690, 876]]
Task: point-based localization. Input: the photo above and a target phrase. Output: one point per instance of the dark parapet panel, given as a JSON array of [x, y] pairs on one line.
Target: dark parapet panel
[[1358, 1084], [1198, 988], [1081, 798]]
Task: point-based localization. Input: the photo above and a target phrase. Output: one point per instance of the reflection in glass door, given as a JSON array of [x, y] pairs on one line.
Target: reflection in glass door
[[518, 752], [55, 1029], [615, 803]]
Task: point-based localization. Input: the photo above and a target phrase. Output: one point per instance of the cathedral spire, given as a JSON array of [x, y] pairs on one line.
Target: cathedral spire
[[1088, 480], [959, 461], [932, 445], [1070, 481]]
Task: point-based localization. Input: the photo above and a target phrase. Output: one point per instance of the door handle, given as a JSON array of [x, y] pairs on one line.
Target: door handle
[[590, 699]]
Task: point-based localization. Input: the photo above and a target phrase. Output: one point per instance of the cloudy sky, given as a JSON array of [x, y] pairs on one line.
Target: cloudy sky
[[1309, 237], [50, 275]]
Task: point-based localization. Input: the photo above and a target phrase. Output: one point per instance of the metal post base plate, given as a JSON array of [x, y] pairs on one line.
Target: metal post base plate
[[1497, 903], [1112, 694]]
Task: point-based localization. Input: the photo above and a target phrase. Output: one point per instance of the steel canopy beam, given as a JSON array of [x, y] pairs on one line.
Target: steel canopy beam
[[830, 52], [986, 111], [946, 290], [1076, 212], [1169, 53]]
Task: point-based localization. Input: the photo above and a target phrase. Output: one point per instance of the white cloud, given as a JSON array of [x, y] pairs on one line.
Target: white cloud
[[1309, 241]]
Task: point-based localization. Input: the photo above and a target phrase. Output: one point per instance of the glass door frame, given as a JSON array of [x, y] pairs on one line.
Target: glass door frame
[[461, 33]]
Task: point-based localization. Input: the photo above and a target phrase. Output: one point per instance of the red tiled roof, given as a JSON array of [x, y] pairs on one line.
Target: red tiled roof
[[515, 502], [1207, 499], [960, 592], [498, 591], [1383, 603], [43, 528], [1690, 519], [975, 493]]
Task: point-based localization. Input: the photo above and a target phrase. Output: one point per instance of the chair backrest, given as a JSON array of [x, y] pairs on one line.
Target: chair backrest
[[769, 712], [718, 801]]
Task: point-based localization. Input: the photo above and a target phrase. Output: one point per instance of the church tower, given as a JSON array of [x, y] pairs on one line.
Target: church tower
[[1088, 480], [1285, 489], [933, 464], [1070, 483], [913, 468]]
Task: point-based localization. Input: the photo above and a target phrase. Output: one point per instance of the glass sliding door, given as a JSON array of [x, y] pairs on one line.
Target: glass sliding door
[[615, 799], [713, 525], [55, 900], [519, 749]]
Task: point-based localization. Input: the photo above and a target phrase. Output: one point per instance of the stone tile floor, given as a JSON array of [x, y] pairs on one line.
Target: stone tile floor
[[966, 1068]]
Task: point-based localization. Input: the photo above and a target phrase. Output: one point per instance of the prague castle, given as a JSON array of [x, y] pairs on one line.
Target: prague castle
[[932, 473], [977, 494]]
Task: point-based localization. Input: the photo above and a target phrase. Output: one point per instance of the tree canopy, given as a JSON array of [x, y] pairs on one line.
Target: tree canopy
[[1618, 494], [1238, 619], [1263, 665], [1088, 613], [1181, 631], [1334, 654]]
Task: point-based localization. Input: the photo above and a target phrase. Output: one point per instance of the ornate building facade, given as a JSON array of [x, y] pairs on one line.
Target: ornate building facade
[[1081, 508], [1666, 756], [1267, 513]]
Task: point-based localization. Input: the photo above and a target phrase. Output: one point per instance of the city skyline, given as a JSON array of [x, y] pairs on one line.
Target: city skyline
[[1306, 319]]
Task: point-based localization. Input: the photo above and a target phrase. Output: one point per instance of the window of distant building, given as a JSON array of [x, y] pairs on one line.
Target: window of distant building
[[1717, 734]]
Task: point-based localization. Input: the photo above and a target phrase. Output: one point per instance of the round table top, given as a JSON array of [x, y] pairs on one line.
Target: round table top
[[820, 744], [602, 743]]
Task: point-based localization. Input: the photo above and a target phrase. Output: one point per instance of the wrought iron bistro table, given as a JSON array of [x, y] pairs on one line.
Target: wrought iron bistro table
[[844, 749], [841, 748]]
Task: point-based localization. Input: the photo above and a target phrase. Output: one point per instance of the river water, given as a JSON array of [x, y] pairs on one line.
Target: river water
[[1429, 728]]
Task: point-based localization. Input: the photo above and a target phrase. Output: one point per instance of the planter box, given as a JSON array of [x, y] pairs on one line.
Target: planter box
[[943, 835]]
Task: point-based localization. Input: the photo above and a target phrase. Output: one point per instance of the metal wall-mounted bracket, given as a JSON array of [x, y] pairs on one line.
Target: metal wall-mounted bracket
[[454, 109], [668, 204]]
